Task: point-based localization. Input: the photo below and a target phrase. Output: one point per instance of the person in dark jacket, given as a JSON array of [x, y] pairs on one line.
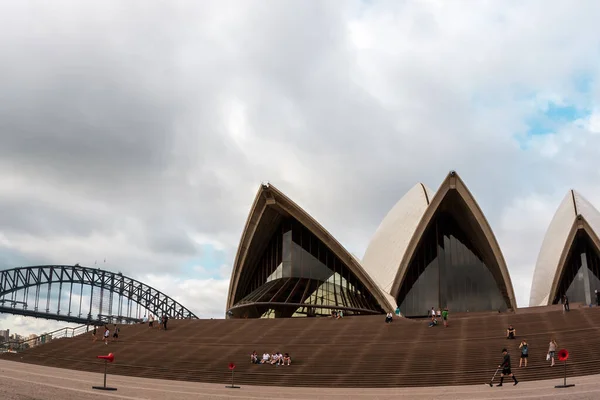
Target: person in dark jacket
[[506, 371]]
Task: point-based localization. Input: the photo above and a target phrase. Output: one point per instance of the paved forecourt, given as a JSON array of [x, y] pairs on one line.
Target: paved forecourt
[[19, 381]]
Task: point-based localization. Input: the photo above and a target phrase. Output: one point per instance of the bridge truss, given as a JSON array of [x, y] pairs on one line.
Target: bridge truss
[[82, 295]]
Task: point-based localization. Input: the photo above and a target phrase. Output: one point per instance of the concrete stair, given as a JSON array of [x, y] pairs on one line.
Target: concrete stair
[[359, 351]]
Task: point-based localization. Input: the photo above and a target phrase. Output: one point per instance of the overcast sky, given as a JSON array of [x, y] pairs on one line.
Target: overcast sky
[[139, 131]]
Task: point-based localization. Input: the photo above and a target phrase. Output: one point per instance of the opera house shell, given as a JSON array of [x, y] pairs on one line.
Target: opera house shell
[[569, 259], [288, 265], [431, 250], [438, 250]]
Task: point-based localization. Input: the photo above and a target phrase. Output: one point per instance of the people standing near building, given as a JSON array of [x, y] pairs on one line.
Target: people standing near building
[[524, 353], [116, 334], [506, 371], [551, 351], [398, 312], [165, 319], [445, 317], [150, 321], [565, 303], [432, 312], [94, 337], [106, 334]]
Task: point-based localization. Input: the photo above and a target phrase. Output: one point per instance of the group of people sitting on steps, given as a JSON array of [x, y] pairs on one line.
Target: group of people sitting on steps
[[274, 359], [511, 334]]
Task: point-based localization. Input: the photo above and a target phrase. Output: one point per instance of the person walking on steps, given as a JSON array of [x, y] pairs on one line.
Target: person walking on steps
[[506, 371]]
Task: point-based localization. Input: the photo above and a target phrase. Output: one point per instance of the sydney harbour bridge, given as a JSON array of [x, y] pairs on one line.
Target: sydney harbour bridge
[[82, 295]]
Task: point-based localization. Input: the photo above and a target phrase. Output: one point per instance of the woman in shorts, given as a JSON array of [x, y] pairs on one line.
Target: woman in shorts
[[551, 351], [524, 353]]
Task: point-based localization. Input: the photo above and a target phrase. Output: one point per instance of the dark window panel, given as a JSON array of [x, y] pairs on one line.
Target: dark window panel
[[447, 272], [295, 268]]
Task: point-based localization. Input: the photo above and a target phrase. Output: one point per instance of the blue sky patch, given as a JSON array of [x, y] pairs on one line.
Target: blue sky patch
[[210, 261], [551, 118], [547, 121], [564, 113], [583, 82]]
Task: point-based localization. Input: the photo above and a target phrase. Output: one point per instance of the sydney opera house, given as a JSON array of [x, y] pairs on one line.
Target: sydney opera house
[[433, 249]]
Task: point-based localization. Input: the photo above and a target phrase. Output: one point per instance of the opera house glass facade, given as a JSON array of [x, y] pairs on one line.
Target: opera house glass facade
[[581, 273], [447, 271], [298, 276], [432, 249]]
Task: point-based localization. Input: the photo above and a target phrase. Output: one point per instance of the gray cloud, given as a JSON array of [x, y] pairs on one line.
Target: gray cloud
[[137, 132]]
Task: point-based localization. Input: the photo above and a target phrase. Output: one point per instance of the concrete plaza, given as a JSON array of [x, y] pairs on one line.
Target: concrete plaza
[[19, 381]]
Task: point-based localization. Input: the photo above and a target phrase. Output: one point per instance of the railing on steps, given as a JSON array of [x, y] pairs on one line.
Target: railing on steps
[[21, 345]]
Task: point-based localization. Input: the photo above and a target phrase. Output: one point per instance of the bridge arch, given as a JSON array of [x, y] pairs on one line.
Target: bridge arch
[[105, 285]]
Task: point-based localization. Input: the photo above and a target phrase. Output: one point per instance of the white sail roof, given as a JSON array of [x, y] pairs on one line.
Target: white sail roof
[[556, 242], [389, 243]]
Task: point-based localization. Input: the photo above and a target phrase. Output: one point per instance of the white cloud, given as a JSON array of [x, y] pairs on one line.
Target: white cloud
[[204, 297], [142, 143], [593, 124], [26, 326]]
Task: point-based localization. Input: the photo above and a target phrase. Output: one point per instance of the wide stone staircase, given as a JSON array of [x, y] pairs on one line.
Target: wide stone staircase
[[359, 351]]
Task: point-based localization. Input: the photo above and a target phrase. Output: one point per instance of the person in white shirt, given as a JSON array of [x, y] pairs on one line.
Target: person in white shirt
[[274, 358], [388, 318], [432, 312], [106, 334], [265, 358]]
